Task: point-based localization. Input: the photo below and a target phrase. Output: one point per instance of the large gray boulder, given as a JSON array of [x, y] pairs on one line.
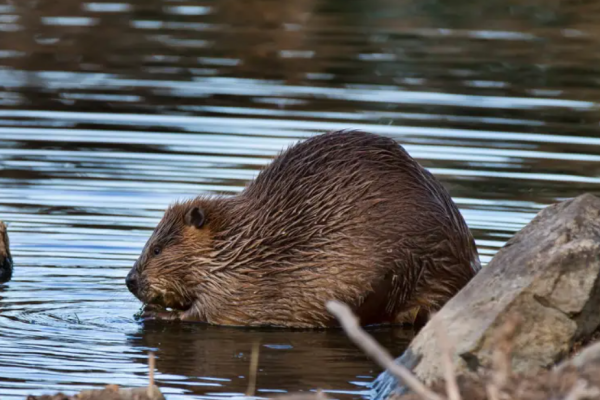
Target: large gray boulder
[[547, 273]]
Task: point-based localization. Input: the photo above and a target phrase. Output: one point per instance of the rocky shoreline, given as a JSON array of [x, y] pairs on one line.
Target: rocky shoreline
[[546, 275], [526, 327]]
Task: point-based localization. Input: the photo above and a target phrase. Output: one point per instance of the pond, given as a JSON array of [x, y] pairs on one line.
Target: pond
[[109, 111]]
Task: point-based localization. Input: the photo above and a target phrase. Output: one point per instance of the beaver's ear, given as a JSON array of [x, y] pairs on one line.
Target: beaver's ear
[[195, 217]]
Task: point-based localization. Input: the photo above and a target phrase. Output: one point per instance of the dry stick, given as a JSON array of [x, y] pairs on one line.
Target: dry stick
[[363, 340], [321, 395], [446, 349], [492, 391], [581, 390], [501, 357], [253, 370], [151, 373]]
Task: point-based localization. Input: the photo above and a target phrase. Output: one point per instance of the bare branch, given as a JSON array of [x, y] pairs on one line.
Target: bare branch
[[253, 369], [363, 340], [151, 374], [502, 354], [581, 390], [446, 349]]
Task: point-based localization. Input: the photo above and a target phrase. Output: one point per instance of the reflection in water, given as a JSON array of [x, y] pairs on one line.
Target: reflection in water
[[109, 111], [217, 359]]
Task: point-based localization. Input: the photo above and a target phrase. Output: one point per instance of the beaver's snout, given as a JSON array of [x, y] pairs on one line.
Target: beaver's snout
[[6, 264], [5, 269], [137, 284], [132, 281]]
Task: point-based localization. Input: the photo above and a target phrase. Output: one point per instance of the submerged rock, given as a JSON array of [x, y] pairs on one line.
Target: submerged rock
[[547, 273], [6, 264]]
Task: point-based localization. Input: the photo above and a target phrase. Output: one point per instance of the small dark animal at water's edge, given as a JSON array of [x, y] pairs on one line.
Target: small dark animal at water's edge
[[6, 263], [345, 216]]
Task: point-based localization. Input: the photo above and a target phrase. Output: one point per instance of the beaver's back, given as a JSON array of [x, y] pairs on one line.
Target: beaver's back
[[350, 215]]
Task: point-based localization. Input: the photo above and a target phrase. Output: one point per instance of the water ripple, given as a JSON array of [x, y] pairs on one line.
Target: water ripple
[[111, 111]]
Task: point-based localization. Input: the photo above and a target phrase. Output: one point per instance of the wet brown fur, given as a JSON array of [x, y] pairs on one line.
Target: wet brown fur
[[346, 215]]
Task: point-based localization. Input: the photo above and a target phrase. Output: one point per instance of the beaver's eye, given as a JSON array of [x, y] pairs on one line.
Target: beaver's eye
[[156, 250]]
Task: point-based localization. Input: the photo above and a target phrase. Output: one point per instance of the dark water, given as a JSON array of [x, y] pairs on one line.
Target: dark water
[[110, 111]]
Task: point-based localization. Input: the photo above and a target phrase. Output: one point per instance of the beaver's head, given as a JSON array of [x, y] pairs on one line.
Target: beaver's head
[[6, 265], [169, 270]]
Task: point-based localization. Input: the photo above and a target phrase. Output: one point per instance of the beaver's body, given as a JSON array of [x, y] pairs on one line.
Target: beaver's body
[[344, 215]]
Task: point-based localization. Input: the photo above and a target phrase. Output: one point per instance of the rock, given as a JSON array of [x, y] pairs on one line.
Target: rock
[[547, 273], [6, 264], [578, 378]]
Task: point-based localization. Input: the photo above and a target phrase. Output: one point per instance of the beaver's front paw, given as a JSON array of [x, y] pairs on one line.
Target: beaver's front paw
[[154, 313]]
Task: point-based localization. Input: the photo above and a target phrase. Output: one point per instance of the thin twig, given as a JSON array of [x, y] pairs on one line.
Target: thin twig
[[492, 391], [502, 357], [319, 395], [447, 349], [253, 369], [363, 340], [151, 373], [502, 354], [581, 390]]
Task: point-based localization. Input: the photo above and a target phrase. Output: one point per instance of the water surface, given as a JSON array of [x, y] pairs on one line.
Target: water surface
[[109, 111]]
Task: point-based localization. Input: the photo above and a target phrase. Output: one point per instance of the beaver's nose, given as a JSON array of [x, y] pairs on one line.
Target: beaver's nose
[[5, 268], [132, 281]]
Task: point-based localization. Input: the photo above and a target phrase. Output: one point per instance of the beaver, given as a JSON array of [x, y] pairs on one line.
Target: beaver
[[6, 263], [344, 215]]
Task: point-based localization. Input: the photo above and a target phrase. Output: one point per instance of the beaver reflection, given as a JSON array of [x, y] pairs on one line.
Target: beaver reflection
[[289, 360], [346, 215]]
